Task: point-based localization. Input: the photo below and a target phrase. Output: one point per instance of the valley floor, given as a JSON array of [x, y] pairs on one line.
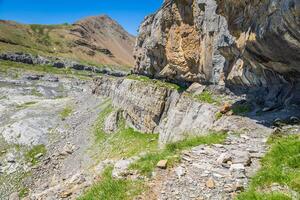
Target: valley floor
[[53, 146]]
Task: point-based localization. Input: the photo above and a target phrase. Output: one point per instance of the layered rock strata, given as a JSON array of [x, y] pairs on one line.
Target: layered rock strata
[[252, 47], [150, 108]]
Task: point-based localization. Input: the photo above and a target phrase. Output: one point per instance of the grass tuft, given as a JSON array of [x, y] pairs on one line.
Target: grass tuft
[[110, 188], [208, 97], [23, 192], [66, 112], [26, 105], [30, 156]]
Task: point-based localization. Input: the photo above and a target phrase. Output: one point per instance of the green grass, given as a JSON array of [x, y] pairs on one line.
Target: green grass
[[23, 192], [35, 92], [66, 112], [31, 154], [6, 66], [280, 165], [114, 189], [26, 105], [218, 115], [146, 164], [208, 97], [159, 83], [120, 144]]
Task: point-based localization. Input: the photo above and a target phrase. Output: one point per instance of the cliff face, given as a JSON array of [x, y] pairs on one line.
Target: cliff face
[[151, 108], [247, 45]]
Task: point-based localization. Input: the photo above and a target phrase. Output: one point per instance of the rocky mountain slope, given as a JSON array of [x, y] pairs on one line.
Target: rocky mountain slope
[[229, 128], [250, 46], [96, 40]]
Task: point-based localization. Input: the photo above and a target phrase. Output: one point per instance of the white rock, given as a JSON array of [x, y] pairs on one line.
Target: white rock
[[224, 158], [180, 171], [237, 167]]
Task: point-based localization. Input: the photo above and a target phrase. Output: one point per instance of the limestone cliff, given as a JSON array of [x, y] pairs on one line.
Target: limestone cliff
[[151, 108], [247, 45]]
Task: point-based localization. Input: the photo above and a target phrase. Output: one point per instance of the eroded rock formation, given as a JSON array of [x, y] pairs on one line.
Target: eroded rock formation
[[250, 46], [150, 108]]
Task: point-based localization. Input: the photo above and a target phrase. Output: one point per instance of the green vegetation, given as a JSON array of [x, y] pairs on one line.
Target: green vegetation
[[159, 83], [171, 153], [126, 143], [23, 192], [208, 97], [281, 165], [30, 156], [6, 66], [219, 115], [45, 40], [35, 92], [119, 144], [26, 105], [66, 112], [241, 109], [116, 189]]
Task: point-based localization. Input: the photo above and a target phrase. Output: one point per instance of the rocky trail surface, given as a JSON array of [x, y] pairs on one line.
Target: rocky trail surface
[[45, 130], [215, 172]]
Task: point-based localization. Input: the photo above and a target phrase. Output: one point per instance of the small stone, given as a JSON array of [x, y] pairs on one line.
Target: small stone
[[210, 183], [224, 158], [38, 156], [11, 158], [196, 88], [237, 167], [14, 196], [162, 164], [180, 171], [238, 187], [65, 194], [225, 108]]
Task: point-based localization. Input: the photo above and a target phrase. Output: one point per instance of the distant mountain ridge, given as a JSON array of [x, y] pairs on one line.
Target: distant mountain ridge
[[94, 40]]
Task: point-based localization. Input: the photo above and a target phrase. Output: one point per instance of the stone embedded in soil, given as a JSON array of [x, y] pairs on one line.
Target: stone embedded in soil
[[162, 164], [224, 158], [14, 196], [210, 183], [180, 171]]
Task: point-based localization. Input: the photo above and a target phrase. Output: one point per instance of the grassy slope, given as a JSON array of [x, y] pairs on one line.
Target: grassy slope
[[46, 40], [126, 143], [281, 165]]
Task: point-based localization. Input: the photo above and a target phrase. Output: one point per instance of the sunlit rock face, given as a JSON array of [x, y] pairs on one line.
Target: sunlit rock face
[[251, 46]]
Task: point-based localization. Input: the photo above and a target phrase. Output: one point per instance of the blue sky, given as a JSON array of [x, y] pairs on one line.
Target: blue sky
[[129, 13]]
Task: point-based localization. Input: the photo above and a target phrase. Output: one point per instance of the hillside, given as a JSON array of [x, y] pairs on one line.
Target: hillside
[[95, 40]]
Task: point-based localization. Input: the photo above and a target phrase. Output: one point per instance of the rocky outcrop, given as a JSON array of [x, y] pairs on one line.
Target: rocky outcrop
[[151, 108], [58, 63], [252, 47]]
